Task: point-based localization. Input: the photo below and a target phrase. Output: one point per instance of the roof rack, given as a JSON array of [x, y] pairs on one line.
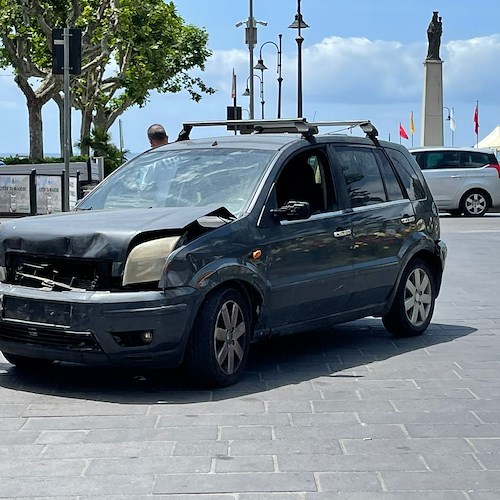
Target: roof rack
[[282, 125]]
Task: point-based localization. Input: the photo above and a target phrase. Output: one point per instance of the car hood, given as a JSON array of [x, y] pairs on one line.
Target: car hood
[[100, 234]]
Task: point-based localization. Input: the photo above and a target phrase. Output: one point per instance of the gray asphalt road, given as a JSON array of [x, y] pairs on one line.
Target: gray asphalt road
[[351, 413]]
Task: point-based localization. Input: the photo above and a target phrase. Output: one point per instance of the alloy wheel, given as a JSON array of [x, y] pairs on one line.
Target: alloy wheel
[[418, 297], [229, 337], [475, 204]]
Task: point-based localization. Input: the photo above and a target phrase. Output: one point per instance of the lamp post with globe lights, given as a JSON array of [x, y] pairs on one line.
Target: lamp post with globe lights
[[260, 65], [247, 92]]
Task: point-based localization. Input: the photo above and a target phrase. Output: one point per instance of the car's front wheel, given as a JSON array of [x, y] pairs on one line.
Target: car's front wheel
[[413, 305], [220, 340], [474, 204]]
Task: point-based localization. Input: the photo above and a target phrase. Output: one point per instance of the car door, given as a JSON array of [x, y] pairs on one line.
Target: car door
[[382, 219], [443, 174], [308, 262]]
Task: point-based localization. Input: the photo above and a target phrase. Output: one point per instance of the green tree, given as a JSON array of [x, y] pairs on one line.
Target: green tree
[[129, 48], [99, 141]]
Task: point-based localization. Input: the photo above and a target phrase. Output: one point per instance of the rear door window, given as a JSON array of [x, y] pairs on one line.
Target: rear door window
[[362, 176], [430, 160]]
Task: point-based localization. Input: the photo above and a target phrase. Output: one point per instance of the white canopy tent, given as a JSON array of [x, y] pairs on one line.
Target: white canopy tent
[[492, 140]]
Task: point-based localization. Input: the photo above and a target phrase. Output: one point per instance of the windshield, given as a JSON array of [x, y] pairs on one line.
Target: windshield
[[183, 178]]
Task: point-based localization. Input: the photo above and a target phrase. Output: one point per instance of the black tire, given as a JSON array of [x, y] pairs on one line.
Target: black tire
[[475, 203], [413, 305], [220, 340], [26, 363]]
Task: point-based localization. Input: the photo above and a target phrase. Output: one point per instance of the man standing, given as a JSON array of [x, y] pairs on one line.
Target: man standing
[[157, 135]]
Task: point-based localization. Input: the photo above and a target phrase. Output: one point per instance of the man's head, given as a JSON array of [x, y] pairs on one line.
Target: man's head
[[157, 135]]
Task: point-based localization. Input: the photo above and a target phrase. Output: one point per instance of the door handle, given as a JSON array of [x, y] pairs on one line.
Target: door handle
[[456, 176], [408, 220], [341, 233]]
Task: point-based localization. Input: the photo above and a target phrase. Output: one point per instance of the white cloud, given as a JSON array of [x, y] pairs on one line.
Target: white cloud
[[471, 67], [359, 70], [343, 78]]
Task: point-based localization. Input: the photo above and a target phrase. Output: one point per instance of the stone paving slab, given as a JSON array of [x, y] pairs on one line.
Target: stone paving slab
[[351, 413]]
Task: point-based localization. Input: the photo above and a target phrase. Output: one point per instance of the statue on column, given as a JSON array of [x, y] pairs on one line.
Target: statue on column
[[434, 32]]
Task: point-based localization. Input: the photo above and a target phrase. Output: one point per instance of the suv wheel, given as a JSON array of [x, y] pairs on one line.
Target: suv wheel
[[474, 204], [220, 340], [413, 304], [26, 363]]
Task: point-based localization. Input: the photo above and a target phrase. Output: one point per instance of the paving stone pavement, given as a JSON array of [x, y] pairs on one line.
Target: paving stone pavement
[[350, 413]]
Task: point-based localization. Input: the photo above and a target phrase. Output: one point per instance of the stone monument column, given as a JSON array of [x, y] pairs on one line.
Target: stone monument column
[[432, 97]]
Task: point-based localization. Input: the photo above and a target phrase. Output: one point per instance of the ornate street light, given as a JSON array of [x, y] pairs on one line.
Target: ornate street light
[[298, 24], [451, 118], [260, 65], [248, 92]]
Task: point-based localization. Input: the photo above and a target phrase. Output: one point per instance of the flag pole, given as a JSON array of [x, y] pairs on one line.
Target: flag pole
[[477, 123], [399, 132], [412, 127]]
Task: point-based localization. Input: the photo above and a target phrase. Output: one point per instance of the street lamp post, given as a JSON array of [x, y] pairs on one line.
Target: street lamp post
[[451, 118], [248, 92], [298, 24], [251, 40], [260, 65]]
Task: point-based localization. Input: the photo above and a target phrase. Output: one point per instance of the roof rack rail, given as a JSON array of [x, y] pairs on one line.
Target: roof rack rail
[[280, 125]]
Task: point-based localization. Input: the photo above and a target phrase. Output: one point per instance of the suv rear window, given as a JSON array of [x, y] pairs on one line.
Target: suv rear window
[[408, 176], [476, 159]]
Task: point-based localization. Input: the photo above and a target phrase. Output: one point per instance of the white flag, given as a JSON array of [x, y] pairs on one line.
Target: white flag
[[452, 120]]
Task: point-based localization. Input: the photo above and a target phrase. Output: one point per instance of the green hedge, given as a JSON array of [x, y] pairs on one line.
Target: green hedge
[[18, 160]]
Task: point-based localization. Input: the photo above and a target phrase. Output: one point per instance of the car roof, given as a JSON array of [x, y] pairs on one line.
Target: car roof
[[449, 148], [257, 141]]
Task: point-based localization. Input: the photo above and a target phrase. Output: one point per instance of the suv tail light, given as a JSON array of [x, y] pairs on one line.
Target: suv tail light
[[496, 166]]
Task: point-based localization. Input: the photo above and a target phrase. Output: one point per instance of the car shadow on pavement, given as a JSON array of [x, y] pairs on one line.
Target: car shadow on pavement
[[350, 350]]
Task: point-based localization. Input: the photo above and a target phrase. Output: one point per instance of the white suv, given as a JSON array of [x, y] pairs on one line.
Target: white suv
[[462, 180]]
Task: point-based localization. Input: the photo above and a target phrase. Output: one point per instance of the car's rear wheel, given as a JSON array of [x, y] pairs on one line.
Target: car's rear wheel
[[474, 203], [220, 340], [26, 363], [413, 305]]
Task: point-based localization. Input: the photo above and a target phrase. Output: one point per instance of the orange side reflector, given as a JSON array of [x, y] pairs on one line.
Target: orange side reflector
[[256, 254]]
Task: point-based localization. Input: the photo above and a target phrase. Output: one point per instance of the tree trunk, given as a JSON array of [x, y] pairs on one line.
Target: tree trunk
[[85, 129], [36, 129]]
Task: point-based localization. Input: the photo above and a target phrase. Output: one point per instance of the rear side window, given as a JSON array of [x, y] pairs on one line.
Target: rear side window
[[392, 186], [407, 174], [476, 159], [362, 176]]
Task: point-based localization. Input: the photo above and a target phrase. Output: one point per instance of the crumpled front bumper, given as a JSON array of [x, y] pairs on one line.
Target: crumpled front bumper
[[86, 327]]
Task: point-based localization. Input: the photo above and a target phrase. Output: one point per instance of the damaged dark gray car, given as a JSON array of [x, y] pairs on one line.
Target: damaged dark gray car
[[193, 250]]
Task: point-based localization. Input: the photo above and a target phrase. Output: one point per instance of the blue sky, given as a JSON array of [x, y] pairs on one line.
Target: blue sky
[[361, 59]]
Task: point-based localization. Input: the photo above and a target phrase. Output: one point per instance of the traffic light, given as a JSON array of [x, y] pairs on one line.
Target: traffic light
[[75, 51]]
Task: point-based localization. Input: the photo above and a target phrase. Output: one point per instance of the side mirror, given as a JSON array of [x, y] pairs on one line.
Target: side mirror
[[293, 210]]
